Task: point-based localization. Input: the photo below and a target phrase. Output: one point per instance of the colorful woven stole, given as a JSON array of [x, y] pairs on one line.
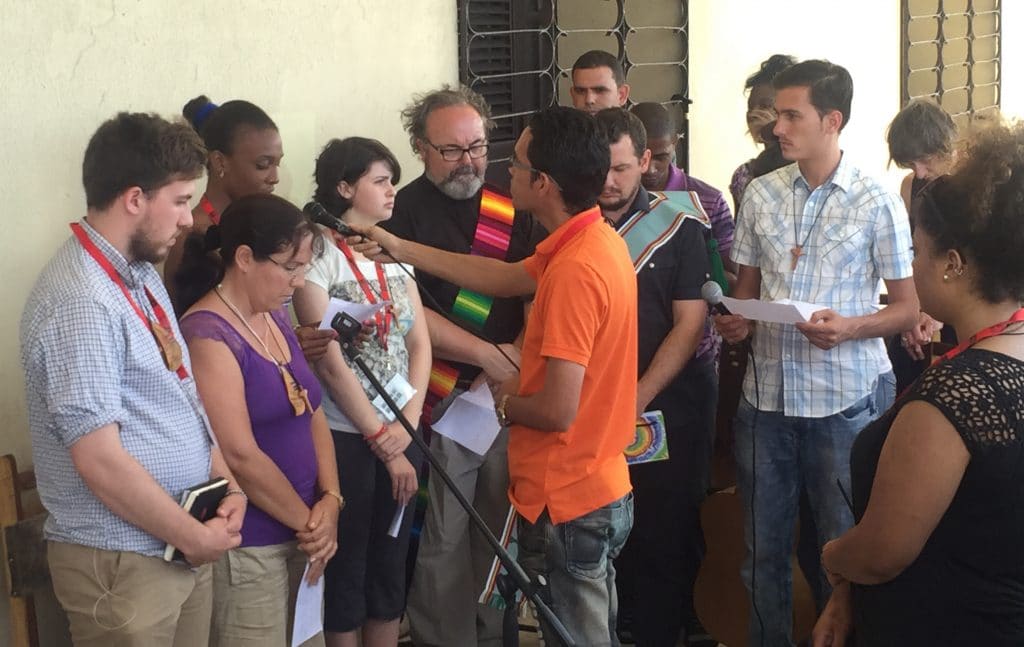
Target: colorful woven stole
[[647, 231], [492, 238]]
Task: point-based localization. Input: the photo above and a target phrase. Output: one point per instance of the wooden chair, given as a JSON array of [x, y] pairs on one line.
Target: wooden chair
[[24, 550]]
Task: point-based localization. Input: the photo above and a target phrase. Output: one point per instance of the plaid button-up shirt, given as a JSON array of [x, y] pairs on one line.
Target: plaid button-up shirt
[[853, 233]]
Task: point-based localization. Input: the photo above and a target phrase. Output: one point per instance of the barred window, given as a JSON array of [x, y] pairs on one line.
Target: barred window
[[519, 56], [951, 51]]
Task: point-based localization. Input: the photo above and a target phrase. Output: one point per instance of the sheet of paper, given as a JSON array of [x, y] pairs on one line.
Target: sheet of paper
[[396, 521], [783, 311], [309, 604], [359, 311], [471, 421]]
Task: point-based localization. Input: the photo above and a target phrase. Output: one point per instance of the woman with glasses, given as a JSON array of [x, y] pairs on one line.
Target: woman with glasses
[[364, 595], [264, 407], [935, 556]]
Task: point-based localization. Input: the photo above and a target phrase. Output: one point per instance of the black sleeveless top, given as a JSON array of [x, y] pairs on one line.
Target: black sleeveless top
[[967, 585]]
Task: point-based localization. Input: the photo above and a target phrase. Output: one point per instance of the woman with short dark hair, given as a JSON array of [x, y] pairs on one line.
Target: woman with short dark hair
[[364, 593]]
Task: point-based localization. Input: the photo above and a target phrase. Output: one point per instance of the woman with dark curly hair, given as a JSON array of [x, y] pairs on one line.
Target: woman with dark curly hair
[[935, 557]]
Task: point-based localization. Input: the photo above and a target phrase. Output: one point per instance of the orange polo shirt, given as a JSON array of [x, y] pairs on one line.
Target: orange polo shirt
[[584, 311]]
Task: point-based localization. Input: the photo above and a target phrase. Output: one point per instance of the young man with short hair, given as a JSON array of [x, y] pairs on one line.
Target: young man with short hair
[[118, 431], [598, 82], [818, 231]]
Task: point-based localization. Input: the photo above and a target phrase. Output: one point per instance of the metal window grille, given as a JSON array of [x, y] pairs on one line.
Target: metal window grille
[[519, 56], [952, 51]]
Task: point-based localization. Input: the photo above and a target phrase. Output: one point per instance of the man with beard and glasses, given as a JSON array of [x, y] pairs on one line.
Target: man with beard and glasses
[[448, 207], [667, 238], [118, 431]]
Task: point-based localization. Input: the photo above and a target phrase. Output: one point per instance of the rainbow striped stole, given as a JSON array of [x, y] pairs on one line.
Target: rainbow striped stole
[[492, 239], [647, 231]]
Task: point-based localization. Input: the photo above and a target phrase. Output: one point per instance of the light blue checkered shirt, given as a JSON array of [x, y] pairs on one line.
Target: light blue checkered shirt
[[89, 361], [861, 236]]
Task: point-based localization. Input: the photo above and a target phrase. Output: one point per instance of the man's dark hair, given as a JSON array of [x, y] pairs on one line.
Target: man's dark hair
[[220, 127], [614, 123], [600, 58], [830, 85], [920, 130], [769, 69], [347, 160], [657, 120], [568, 146], [139, 149], [264, 222]]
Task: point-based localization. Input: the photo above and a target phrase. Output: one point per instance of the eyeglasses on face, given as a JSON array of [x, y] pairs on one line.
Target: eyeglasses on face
[[294, 270], [455, 153]]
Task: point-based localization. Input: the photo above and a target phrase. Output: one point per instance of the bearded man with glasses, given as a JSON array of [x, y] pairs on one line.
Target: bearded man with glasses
[[448, 207]]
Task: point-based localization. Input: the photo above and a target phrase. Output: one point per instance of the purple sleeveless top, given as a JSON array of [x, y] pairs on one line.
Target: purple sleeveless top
[[286, 438]]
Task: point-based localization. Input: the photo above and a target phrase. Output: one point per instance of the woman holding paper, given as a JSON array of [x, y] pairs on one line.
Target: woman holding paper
[[264, 406], [365, 585]]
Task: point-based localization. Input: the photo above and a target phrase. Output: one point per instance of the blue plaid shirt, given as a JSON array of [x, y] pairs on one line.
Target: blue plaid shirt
[[853, 233], [89, 361]]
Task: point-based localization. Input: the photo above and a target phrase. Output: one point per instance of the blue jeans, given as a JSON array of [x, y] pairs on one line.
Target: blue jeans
[[576, 560], [793, 452]]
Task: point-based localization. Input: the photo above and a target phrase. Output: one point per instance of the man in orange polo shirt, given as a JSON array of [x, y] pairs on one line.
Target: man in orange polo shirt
[[573, 412]]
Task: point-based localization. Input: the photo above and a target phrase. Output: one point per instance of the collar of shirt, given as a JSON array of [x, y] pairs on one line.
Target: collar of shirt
[[642, 202], [842, 177], [677, 179], [131, 272]]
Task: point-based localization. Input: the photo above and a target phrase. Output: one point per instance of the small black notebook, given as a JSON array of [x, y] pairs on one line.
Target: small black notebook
[[201, 502]]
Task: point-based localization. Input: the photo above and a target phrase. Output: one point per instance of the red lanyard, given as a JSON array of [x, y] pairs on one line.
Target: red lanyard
[[579, 221], [207, 207], [104, 262], [991, 331], [383, 320]]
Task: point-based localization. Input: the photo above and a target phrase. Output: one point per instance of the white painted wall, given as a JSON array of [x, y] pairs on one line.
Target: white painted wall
[[320, 68]]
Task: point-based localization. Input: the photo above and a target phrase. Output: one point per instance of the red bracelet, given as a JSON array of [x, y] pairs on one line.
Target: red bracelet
[[383, 428]]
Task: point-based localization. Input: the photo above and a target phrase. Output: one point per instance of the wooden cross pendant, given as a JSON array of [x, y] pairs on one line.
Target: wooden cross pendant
[[797, 252]]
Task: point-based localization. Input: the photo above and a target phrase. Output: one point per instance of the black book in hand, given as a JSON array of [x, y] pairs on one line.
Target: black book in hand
[[200, 501]]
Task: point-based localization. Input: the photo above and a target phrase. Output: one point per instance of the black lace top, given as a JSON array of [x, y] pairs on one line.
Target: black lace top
[[967, 585]]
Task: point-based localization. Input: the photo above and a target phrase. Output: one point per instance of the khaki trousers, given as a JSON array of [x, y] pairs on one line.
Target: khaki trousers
[[254, 592], [124, 599]]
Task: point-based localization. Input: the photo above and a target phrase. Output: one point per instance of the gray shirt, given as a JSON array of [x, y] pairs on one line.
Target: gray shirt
[[90, 361]]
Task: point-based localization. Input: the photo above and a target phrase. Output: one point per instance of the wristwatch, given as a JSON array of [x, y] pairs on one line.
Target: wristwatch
[[501, 409]]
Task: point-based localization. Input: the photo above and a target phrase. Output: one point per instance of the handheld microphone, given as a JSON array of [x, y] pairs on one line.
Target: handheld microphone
[[711, 292], [320, 216]]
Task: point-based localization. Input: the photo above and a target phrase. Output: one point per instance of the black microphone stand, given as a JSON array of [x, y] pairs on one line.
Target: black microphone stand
[[348, 329]]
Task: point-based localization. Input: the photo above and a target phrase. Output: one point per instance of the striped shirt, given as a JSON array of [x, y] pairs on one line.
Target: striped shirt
[[89, 361], [853, 233]]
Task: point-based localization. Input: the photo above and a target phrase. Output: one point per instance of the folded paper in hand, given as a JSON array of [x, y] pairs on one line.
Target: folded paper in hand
[[784, 311]]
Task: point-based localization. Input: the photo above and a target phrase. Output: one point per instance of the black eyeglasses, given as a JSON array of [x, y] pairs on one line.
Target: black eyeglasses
[[455, 153]]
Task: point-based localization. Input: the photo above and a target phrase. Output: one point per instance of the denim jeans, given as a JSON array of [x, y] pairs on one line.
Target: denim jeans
[[793, 452], [576, 560]]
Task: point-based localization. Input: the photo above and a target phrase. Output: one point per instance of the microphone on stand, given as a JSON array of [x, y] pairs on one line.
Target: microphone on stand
[[711, 292]]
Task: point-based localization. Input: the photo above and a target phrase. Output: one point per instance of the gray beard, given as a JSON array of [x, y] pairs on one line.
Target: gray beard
[[461, 187]]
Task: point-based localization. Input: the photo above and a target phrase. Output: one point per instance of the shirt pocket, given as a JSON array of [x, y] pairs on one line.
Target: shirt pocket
[[775, 235], [844, 249]]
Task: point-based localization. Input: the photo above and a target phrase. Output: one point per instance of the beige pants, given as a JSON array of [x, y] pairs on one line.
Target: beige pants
[[123, 599], [254, 593]]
